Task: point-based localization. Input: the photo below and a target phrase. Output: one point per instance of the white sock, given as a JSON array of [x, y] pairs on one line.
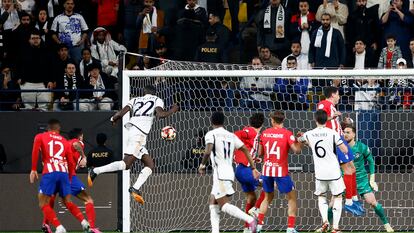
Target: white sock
[[114, 166], [236, 212], [323, 208], [142, 177], [215, 218], [349, 202], [337, 210], [60, 229], [85, 223], [355, 198]]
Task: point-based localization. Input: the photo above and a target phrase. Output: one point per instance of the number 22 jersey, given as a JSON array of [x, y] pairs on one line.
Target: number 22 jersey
[[143, 111]]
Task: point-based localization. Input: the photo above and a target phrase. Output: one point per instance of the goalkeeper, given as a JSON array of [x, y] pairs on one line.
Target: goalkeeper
[[365, 186]]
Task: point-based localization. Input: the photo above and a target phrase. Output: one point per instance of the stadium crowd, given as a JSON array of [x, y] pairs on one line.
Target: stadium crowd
[[68, 50]]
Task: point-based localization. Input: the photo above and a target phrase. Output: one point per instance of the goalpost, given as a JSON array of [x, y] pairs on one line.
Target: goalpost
[[177, 197]]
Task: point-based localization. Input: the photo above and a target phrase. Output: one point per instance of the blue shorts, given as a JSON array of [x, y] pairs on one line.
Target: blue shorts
[[284, 184], [76, 186], [55, 182], [245, 176], [341, 156]]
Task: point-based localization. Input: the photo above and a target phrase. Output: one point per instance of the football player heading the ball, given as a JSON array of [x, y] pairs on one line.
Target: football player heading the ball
[[144, 109]]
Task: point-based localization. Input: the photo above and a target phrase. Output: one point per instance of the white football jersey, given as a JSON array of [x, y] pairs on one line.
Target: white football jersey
[[143, 111], [323, 142], [224, 144]]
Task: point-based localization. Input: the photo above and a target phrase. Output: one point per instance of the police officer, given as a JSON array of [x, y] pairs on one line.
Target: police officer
[[100, 155], [210, 51]]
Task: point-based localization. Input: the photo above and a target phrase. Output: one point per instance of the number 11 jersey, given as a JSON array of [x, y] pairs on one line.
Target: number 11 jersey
[[323, 142], [143, 111]]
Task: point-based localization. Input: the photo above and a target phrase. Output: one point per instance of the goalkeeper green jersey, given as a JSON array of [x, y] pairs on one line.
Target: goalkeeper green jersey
[[362, 154]]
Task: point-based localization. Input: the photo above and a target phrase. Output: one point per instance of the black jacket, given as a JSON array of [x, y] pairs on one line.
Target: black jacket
[[99, 156], [34, 66], [370, 60], [189, 35], [209, 52], [363, 23]]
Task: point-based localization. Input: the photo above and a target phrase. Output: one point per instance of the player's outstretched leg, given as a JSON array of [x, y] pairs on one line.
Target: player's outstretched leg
[[323, 209], [142, 177], [250, 201], [214, 215], [234, 211], [114, 166], [337, 210], [75, 211], [256, 209], [292, 209], [371, 200], [45, 224], [349, 179], [89, 209], [49, 213]]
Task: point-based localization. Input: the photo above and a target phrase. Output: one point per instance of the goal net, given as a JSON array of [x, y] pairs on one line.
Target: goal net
[[176, 197]]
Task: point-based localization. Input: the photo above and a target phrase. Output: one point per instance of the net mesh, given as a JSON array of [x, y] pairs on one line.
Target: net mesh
[[177, 197]]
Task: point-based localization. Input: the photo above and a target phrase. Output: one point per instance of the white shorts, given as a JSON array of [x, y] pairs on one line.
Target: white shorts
[[136, 141], [221, 188], [336, 187]]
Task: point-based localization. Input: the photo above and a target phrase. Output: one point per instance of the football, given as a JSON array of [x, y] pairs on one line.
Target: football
[[168, 133]]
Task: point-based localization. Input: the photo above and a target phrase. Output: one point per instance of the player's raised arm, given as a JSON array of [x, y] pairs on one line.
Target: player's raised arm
[[161, 113], [207, 152]]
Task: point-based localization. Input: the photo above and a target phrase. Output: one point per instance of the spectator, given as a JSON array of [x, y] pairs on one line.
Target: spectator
[[87, 59], [222, 32], [9, 101], [257, 91], [411, 57], [20, 37], [200, 12], [302, 60], [267, 57], [108, 15], [100, 155], [185, 43], [400, 89], [105, 50], [398, 22], [291, 92], [338, 12], [26, 6], [162, 52], [43, 25], [327, 46], [210, 51], [70, 82], [70, 28], [151, 21], [363, 24], [362, 58], [100, 100], [9, 20], [127, 21], [32, 73], [390, 54], [303, 24], [367, 97], [60, 62], [273, 28]]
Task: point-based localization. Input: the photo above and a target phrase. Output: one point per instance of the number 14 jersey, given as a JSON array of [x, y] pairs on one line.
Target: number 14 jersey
[[323, 142], [143, 111], [276, 144]]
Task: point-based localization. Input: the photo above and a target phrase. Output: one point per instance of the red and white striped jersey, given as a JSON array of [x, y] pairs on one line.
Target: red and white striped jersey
[[248, 136], [330, 109], [55, 152], [276, 144]]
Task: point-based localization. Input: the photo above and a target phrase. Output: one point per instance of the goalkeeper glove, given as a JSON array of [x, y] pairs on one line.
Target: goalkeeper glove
[[372, 182]]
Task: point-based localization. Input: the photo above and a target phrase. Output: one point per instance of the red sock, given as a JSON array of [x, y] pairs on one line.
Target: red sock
[[354, 186], [90, 213], [50, 215], [260, 200], [260, 219], [248, 207], [75, 211], [51, 204], [291, 221], [349, 186]]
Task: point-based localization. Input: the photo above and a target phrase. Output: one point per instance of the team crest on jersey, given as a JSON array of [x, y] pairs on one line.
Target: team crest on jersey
[[357, 155]]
